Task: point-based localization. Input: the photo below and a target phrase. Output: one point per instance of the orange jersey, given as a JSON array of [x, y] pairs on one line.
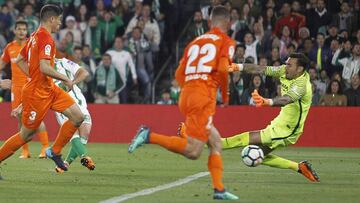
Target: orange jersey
[[11, 51], [39, 46], [206, 60]]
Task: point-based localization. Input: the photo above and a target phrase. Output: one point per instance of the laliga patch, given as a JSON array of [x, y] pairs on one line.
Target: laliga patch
[[48, 49]]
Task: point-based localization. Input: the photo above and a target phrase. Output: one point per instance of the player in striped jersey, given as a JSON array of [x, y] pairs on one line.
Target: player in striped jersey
[[77, 74]]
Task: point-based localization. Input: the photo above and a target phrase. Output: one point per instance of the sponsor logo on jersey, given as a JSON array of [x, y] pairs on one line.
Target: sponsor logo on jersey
[[48, 49]]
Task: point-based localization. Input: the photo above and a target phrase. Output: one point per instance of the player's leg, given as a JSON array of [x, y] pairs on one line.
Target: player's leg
[[12, 144], [65, 105], [239, 140], [15, 102], [266, 140], [43, 138], [215, 166]]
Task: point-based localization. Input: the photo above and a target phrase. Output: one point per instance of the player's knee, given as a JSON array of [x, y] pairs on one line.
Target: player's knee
[[78, 119], [193, 155]]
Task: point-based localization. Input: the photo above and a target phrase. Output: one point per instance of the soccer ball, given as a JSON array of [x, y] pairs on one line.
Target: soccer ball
[[252, 155]]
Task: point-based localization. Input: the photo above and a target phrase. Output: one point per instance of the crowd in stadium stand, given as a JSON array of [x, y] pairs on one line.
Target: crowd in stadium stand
[[127, 39]]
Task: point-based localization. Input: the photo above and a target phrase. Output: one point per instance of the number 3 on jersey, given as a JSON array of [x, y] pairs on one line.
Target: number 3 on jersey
[[207, 52]]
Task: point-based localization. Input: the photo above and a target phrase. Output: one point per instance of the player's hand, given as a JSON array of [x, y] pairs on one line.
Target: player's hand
[[5, 84], [17, 111], [233, 68], [259, 100], [69, 84], [111, 95]]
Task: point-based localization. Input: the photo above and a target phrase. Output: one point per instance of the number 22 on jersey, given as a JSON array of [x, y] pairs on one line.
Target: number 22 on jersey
[[202, 55]]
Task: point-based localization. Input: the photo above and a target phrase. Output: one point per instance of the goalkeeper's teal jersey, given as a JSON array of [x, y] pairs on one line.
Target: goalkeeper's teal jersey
[[292, 116]]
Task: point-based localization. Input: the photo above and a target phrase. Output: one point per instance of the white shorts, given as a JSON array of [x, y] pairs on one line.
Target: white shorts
[[61, 118]]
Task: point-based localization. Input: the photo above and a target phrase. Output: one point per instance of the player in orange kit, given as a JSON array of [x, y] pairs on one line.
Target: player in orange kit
[[202, 70], [18, 80], [41, 94]]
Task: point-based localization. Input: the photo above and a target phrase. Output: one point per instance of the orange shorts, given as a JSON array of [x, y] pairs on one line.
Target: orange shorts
[[15, 96], [198, 107], [36, 106]]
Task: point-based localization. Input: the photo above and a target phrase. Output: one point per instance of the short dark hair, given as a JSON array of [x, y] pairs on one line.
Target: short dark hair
[[106, 54], [21, 22], [77, 48], [220, 11], [50, 10], [302, 60]]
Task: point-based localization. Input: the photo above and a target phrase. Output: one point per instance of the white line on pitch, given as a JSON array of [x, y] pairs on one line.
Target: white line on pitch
[[148, 191]]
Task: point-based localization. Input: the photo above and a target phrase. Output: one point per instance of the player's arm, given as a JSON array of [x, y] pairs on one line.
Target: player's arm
[[180, 73], [247, 67], [46, 69], [224, 79], [80, 75], [22, 64], [296, 92]]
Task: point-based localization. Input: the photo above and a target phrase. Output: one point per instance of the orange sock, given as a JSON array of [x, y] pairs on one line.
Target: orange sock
[[66, 131], [25, 148], [215, 167], [10, 146], [172, 143], [43, 138]]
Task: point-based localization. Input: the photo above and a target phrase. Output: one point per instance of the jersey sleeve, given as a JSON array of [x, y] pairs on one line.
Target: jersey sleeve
[[70, 66], [275, 71], [297, 89], [23, 51], [5, 56], [46, 47], [228, 50]]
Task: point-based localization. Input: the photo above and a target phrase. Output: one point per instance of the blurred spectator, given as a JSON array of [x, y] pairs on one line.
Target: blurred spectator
[[3, 43], [175, 91], [5, 19], [304, 34], [117, 7], [84, 85], [13, 11], [165, 99], [141, 50], [277, 93], [318, 18], [319, 53], [315, 94], [100, 8], [128, 14], [69, 38], [344, 19], [197, 27], [31, 19], [206, 10], [93, 36], [88, 59], [256, 83], [346, 50], [151, 29], [236, 88], [337, 76], [335, 50], [334, 95], [274, 55], [82, 18], [351, 65], [353, 93], [239, 54], [252, 47], [70, 27], [110, 26], [107, 82], [62, 50], [258, 30], [285, 40], [294, 22], [269, 20], [124, 63], [254, 7], [245, 16], [332, 34]]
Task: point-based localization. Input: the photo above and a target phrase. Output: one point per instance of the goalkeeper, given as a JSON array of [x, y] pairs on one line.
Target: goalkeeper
[[286, 128]]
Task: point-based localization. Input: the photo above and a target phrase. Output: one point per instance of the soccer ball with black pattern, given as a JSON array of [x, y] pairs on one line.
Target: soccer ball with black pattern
[[252, 155]]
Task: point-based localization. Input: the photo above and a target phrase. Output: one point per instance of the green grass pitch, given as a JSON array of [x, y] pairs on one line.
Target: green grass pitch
[[118, 173]]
